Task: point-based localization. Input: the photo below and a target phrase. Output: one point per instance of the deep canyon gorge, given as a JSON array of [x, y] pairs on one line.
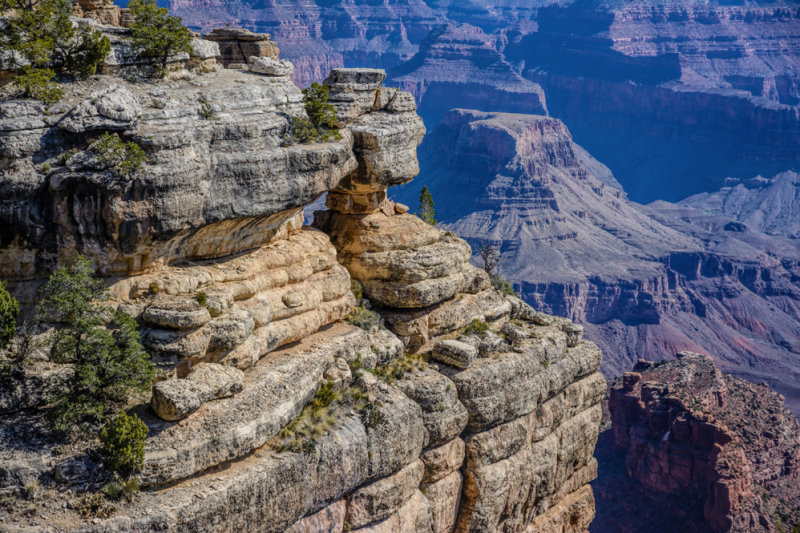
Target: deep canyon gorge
[[328, 360]]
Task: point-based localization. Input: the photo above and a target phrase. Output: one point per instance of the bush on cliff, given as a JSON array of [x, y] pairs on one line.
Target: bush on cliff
[[38, 83], [102, 345], [364, 318], [126, 158], [321, 122], [123, 444], [491, 265], [9, 311], [39, 39], [157, 34]]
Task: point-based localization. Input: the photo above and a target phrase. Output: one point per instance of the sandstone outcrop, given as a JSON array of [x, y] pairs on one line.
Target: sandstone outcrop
[[237, 46], [727, 446], [273, 411]]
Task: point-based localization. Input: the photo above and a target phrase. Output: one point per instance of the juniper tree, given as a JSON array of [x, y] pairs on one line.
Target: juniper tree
[[101, 344], [38, 40], [157, 34], [9, 311]]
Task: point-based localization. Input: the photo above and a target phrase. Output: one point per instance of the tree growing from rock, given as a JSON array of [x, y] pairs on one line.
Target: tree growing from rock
[[38, 40], [491, 265], [9, 311], [157, 34], [321, 121], [426, 211], [102, 346]]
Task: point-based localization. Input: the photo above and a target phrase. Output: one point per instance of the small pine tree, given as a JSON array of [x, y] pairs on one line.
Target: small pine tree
[[9, 311], [426, 210], [155, 33], [102, 345], [123, 444]]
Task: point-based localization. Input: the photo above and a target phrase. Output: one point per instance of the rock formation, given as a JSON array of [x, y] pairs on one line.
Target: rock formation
[[471, 412], [658, 78], [459, 66], [638, 278], [706, 90], [727, 450], [770, 205]]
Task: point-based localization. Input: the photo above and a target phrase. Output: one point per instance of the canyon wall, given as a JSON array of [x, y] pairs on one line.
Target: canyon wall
[[706, 445], [283, 402], [643, 280], [704, 90]]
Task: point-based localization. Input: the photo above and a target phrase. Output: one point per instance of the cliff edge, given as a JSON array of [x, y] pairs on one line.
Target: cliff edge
[[455, 407]]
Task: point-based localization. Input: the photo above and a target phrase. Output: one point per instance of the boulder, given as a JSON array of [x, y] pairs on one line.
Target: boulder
[[111, 108], [271, 67], [514, 333], [203, 49], [454, 353], [574, 333], [174, 399], [176, 313]]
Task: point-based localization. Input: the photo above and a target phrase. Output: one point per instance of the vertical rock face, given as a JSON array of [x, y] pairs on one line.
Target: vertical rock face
[[690, 64], [459, 66], [243, 310], [727, 445], [637, 277]]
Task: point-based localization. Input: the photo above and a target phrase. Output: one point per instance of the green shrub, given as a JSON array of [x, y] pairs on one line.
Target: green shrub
[[94, 506], [477, 327], [126, 158], [123, 490], [501, 284], [206, 110], [323, 413], [40, 35], [371, 415], [123, 444], [321, 121], [102, 345], [156, 34], [398, 368], [202, 298], [37, 83], [9, 311], [364, 318], [356, 288]]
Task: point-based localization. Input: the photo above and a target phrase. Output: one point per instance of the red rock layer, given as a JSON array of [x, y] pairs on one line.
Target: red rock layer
[[728, 445]]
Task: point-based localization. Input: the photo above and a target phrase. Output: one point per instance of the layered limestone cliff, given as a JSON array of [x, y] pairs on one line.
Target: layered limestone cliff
[[707, 91], [440, 424], [643, 280], [722, 450]]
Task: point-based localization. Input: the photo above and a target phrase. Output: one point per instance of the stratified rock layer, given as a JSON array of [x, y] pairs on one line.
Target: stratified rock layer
[[727, 446], [273, 412], [638, 278]]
